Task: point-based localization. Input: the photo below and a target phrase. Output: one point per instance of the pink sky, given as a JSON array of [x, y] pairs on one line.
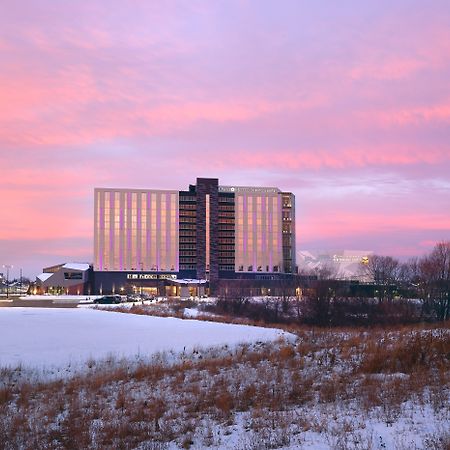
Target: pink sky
[[347, 104]]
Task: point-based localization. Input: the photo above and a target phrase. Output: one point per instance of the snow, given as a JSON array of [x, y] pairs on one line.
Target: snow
[[191, 312], [44, 276], [189, 281], [56, 338], [61, 298], [76, 266]]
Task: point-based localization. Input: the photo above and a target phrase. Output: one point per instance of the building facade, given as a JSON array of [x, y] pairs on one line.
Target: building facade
[[208, 232], [69, 278]]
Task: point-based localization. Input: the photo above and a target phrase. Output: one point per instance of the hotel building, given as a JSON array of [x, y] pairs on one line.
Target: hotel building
[[208, 232]]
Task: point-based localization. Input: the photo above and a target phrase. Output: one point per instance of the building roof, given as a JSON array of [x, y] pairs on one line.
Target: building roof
[[76, 266], [44, 276]]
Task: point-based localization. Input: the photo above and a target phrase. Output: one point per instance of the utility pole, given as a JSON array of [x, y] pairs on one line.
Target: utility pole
[[7, 267]]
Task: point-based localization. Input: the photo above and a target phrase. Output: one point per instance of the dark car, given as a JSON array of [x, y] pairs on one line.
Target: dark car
[[108, 299]]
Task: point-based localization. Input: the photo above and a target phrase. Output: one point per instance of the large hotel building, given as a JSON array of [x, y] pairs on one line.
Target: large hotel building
[[205, 234]]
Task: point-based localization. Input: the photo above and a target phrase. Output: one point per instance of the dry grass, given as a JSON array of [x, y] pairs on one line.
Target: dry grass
[[152, 404]]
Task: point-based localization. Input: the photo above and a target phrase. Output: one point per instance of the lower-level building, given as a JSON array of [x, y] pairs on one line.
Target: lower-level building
[[81, 279], [181, 285]]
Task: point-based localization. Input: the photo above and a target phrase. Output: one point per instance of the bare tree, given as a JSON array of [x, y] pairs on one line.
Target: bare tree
[[435, 275], [326, 271], [409, 272], [384, 271], [319, 301]]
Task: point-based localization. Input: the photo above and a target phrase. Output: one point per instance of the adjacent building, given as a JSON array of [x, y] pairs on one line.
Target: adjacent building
[[155, 238], [68, 278]]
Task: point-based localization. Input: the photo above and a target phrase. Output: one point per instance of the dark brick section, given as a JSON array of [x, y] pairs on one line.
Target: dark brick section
[[207, 186], [188, 231], [227, 217], [288, 226]]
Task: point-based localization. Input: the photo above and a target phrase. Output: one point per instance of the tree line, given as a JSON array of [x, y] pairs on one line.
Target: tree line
[[426, 279], [402, 292]]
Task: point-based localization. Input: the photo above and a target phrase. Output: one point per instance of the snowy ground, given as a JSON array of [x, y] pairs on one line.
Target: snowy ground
[[314, 393], [61, 298], [56, 338]]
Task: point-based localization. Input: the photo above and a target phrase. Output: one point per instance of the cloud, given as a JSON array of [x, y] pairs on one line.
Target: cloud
[[346, 105]]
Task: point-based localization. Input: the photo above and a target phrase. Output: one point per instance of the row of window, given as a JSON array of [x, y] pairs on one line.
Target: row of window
[[190, 246], [226, 227], [190, 239], [227, 268], [223, 207], [189, 260], [226, 261], [258, 269], [225, 240], [184, 233], [226, 247], [226, 254], [186, 253], [185, 226]]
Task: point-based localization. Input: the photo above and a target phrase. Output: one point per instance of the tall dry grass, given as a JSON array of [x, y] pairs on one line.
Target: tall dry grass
[[152, 404]]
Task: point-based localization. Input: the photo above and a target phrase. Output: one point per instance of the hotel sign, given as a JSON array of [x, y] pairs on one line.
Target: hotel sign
[[151, 276], [249, 190]]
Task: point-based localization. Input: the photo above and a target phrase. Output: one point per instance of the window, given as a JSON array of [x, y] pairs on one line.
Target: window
[[73, 275]]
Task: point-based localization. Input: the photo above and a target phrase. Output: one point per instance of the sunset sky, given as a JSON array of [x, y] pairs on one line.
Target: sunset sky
[[347, 104]]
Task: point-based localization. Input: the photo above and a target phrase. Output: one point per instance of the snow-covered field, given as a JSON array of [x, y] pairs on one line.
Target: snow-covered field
[[60, 299], [151, 382], [56, 338]]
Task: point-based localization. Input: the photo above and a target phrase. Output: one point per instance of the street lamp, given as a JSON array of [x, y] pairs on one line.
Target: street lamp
[[7, 267]]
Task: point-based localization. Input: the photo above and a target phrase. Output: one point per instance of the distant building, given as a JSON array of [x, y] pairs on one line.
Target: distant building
[[341, 264]]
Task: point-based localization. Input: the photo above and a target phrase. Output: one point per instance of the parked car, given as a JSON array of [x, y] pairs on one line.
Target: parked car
[[108, 299]]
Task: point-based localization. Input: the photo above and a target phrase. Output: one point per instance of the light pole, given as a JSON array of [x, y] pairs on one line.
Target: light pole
[[7, 267]]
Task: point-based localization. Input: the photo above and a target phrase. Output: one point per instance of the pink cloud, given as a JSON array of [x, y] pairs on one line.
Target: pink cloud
[[366, 223], [95, 94], [394, 69], [432, 113]]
